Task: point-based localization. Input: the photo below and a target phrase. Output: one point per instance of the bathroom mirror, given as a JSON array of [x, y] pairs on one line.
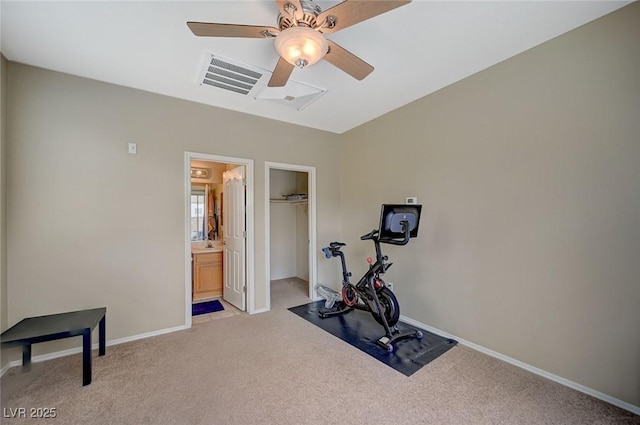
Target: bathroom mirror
[[205, 213], [198, 212]]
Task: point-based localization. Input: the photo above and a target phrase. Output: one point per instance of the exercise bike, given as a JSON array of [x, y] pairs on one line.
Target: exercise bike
[[398, 224]]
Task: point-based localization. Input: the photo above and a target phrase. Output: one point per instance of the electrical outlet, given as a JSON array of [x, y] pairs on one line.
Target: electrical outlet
[[390, 285], [133, 148], [412, 200]]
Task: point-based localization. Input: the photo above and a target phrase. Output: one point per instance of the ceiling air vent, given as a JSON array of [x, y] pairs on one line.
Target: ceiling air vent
[[223, 74], [294, 95]]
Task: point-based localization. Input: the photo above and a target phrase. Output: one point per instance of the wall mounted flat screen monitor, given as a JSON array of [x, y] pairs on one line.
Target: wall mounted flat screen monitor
[[392, 216]]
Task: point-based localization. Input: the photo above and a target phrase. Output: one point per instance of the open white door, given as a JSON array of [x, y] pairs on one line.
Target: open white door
[[234, 216]]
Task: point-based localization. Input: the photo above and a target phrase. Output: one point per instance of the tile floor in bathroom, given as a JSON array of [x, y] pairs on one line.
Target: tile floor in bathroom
[[228, 311]]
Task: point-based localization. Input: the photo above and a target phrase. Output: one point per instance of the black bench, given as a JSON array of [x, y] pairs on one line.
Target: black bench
[[57, 326]]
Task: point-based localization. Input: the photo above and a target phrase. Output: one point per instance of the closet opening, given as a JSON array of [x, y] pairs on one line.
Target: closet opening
[[290, 232]]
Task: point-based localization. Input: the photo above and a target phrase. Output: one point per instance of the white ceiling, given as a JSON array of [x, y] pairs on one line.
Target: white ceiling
[[415, 49]]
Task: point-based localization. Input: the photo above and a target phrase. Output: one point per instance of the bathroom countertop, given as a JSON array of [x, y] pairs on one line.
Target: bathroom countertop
[[204, 249]]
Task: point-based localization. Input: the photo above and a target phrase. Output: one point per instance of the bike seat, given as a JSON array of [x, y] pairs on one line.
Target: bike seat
[[337, 244]]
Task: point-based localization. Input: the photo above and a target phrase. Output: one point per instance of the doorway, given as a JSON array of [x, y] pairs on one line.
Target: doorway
[[226, 222], [290, 223]]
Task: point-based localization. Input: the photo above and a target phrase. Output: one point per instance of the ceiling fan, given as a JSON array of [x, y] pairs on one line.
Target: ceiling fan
[[300, 37]]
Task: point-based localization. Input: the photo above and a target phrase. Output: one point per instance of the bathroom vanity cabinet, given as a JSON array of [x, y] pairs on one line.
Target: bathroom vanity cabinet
[[207, 275]]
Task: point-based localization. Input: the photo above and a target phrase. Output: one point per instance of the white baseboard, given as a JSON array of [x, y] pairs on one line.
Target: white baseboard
[[574, 385], [258, 311], [76, 350], [4, 369]]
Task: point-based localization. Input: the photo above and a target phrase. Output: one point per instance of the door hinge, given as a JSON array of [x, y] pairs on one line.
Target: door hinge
[[244, 234], [244, 288], [244, 182]]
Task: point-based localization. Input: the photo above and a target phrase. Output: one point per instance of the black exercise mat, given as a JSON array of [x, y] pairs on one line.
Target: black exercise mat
[[360, 329]]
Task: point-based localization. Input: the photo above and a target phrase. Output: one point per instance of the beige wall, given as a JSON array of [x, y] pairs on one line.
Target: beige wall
[[3, 204], [90, 225], [529, 176]]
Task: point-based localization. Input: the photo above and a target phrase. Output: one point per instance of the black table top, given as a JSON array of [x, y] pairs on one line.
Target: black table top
[[53, 324]]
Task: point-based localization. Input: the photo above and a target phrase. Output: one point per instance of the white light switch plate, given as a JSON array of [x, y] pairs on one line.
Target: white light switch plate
[[133, 148]]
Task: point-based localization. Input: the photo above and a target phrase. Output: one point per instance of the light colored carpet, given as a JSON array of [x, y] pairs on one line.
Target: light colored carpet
[[276, 368]]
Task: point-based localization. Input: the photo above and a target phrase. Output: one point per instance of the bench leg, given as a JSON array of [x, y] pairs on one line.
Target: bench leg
[[86, 356], [102, 333], [26, 357]]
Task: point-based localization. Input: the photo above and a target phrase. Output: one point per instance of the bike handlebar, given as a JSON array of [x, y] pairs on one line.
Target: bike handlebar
[[405, 240], [398, 242], [369, 235]]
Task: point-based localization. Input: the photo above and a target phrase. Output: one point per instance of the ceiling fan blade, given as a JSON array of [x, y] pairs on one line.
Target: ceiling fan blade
[[350, 12], [207, 29], [281, 74], [347, 61], [284, 11]]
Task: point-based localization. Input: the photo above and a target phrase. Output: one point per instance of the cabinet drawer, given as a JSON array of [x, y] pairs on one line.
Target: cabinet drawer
[[209, 257]]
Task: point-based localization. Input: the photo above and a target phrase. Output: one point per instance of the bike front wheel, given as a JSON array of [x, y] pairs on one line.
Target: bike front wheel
[[390, 306]]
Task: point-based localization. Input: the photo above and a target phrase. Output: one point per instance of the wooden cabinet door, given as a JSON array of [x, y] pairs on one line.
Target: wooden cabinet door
[[207, 275]]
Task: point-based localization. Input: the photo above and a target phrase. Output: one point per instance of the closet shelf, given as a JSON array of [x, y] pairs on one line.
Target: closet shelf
[[284, 201]]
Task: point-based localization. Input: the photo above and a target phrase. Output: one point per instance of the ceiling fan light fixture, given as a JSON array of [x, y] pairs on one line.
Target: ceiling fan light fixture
[[301, 46]]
